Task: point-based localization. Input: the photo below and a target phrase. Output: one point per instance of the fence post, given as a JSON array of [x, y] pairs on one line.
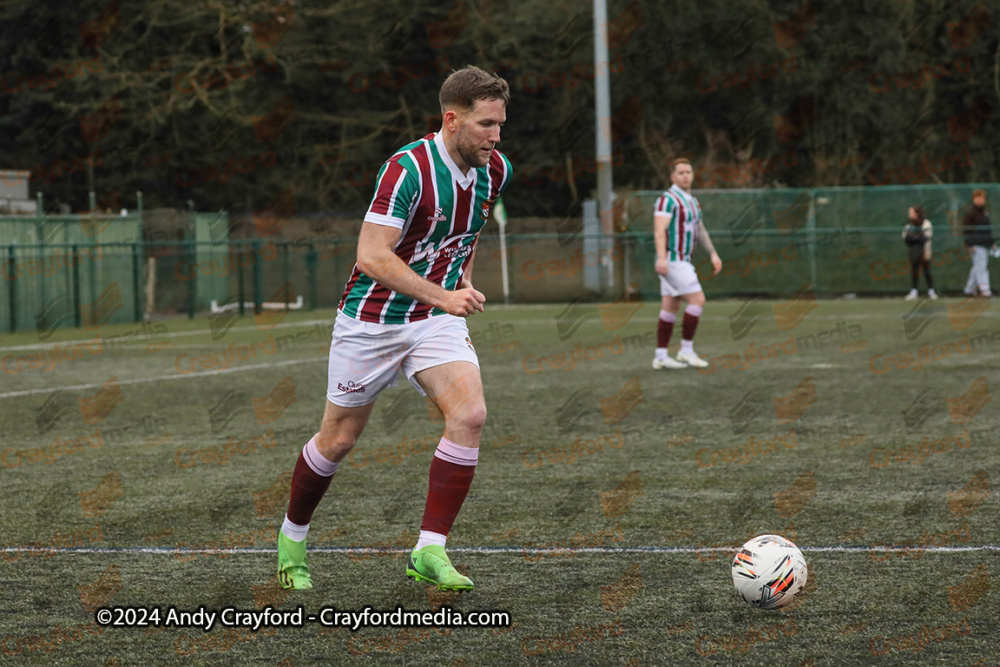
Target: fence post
[[311, 274], [257, 283], [11, 277], [193, 257], [76, 285], [284, 270], [136, 263], [811, 229], [240, 288]]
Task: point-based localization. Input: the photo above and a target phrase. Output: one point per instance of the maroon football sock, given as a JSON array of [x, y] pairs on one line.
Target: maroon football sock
[[308, 485], [690, 322], [452, 469]]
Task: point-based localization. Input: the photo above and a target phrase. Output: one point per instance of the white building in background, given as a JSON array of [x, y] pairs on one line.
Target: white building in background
[[14, 197]]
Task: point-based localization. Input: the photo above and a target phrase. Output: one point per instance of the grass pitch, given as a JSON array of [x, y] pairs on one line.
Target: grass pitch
[[154, 472]]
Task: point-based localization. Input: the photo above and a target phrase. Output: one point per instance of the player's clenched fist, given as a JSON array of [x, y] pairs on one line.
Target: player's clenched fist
[[463, 302], [661, 265]]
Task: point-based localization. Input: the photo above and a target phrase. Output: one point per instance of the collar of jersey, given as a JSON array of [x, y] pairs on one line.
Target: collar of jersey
[[463, 181], [688, 199]]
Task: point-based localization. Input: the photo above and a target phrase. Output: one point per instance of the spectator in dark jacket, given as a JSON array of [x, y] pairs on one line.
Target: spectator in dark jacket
[[917, 234]]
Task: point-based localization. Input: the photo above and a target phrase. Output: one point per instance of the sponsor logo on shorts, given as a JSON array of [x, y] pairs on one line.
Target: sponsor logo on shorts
[[351, 387]]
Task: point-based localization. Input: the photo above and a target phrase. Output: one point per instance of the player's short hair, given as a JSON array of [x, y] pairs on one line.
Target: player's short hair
[[978, 193], [678, 161], [462, 88], [918, 211]]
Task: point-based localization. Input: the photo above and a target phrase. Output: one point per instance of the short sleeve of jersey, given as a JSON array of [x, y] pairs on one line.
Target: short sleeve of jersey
[[507, 176], [664, 206], [396, 191]]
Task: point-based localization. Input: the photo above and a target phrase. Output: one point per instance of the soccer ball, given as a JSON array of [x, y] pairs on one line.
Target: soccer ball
[[769, 571]]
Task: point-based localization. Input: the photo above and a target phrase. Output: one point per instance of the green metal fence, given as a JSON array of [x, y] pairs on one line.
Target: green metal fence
[[87, 270]]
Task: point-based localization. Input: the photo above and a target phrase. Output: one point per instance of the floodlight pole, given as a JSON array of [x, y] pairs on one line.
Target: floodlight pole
[[602, 100]]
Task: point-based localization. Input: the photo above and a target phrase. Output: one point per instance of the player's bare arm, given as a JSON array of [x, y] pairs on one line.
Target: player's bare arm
[[377, 260], [706, 242], [660, 224]]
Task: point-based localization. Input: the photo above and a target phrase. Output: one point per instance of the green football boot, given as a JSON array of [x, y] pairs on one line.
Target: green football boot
[[431, 565], [293, 570]]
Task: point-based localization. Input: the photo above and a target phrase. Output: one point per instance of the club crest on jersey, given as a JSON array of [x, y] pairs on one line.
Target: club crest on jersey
[[437, 217], [484, 212]]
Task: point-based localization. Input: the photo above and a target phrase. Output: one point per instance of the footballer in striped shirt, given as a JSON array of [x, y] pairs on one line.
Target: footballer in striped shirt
[[404, 309], [677, 226]]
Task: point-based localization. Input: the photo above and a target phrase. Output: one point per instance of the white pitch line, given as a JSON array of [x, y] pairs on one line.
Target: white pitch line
[[113, 344], [480, 550], [29, 392], [528, 321]]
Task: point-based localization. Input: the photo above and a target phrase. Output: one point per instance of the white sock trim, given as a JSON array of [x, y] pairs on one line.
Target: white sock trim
[[428, 537], [693, 311], [320, 465], [687, 345], [293, 531], [452, 453], [667, 316]]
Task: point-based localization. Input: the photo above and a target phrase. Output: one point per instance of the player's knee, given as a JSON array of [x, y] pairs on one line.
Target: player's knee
[[471, 417], [334, 446]]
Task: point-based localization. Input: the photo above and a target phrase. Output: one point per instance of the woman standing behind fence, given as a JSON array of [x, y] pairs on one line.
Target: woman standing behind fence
[[917, 234]]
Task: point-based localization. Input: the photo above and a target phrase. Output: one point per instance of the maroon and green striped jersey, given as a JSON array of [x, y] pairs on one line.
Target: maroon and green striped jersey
[[421, 191], [685, 214]]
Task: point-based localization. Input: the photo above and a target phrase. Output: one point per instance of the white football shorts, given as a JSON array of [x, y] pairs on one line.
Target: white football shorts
[[681, 279], [366, 357]]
